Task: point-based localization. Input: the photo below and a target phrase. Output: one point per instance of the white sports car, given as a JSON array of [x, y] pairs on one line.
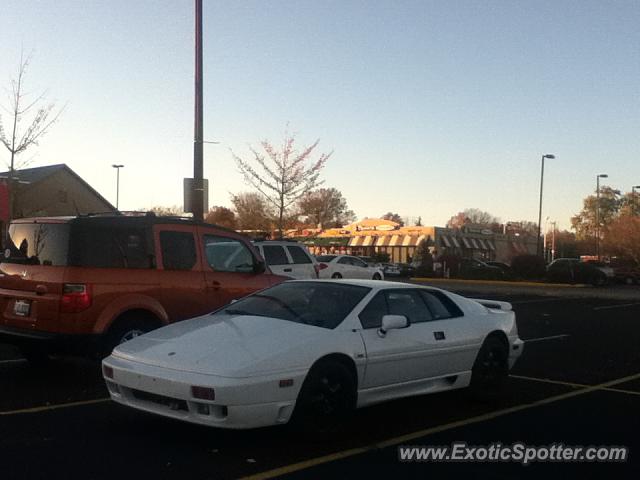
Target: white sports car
[[312, 350]]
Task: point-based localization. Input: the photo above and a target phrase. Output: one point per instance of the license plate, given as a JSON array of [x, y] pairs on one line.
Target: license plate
[[22, 308]]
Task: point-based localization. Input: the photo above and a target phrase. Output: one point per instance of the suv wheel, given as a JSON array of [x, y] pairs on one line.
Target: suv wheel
[[125, 330]]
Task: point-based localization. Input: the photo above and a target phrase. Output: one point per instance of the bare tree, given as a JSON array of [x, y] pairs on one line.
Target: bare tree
[[36, 114], [282, 176]]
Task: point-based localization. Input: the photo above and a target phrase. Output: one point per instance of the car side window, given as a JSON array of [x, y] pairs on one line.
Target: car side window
[[225, 254], [408, 303], [345, 261], [371, 315], [275, 255], [440, 305], [358, 263], [178, 250], [298, 255]]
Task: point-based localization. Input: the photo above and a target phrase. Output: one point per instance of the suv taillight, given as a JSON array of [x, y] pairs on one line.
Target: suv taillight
[[76, 297]]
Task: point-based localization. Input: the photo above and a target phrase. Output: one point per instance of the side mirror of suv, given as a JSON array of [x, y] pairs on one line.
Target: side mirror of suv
[[259, 266]]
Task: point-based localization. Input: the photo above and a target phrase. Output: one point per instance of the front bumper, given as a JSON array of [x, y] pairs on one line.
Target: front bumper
[[240, 403]]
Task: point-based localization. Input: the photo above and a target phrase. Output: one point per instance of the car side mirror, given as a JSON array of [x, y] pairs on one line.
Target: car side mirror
[[259, 266], [392, 322]]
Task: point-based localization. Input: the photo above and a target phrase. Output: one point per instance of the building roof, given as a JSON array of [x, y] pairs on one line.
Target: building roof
[[36, 174], [32, 176]]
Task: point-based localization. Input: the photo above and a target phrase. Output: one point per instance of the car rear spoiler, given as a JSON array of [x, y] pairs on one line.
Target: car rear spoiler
[[493, 304]]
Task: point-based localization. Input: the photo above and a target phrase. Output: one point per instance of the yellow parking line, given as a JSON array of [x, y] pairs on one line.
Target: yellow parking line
[[430, 431], [54, 407]]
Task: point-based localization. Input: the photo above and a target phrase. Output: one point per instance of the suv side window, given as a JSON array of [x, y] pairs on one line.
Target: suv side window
[[109, 246], [225, 254], [298, 254], [275, 255], [178, 250]]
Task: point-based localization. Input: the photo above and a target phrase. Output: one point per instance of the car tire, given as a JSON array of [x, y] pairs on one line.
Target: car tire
[[490, 370], [336, 275], [124, 330], [327, 397], [376, 276]]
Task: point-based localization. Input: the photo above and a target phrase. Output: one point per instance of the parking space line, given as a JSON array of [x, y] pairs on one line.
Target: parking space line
[[13, 360], [570, 384], [53, 407], [542, 339], [295, 467], [622, 305]]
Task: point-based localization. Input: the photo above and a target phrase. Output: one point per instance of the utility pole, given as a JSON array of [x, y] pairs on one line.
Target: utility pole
[[549, 156], [198, 181]]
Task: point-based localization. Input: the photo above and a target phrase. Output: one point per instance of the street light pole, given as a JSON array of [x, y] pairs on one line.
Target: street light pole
[[117, 167], [598, 177], [540, 208]]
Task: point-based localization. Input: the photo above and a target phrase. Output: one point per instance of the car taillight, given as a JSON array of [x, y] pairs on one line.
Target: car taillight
[[322, 266], [203, 393], [76, 297]]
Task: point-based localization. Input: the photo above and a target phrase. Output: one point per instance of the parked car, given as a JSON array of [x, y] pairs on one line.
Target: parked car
[[604, 268], [312, 351], [289, 258], [507, 271], [625, 271], [475, 269], [86, 284], [347, 266], [572, 270], [391, 270]]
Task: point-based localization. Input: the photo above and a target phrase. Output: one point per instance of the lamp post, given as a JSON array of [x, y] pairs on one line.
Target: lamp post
[[633, 198], [117, 167], [598, 177], [550, 156]]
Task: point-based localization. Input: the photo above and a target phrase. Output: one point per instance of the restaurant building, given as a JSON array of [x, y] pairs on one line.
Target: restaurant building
[[371, 236]]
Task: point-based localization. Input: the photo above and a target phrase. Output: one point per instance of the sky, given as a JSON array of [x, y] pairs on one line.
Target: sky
[[429, 107]]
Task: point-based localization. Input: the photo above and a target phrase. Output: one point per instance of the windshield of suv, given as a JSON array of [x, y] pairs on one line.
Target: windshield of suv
[[314, 303], [37, 244]]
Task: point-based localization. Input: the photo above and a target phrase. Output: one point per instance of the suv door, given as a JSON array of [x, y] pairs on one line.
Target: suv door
[[277, 259], [182, 281], [303, 265], [230, 268]]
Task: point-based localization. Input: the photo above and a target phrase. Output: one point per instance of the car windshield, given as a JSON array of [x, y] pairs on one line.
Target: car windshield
[[321, 304], [325, 258]]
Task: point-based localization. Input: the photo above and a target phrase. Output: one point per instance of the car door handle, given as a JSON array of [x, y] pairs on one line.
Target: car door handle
[[41, 289], [287, 270], [438, 335], [215, 285]]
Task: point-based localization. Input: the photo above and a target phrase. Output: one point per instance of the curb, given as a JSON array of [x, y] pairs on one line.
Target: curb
[[497, 282]]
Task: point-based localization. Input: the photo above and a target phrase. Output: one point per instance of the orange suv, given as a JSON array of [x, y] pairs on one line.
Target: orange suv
[[85, 284]]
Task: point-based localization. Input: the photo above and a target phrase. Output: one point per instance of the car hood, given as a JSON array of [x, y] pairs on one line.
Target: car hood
[[228, 345]]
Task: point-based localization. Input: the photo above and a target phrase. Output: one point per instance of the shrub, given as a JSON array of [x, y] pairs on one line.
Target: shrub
[[528, 266]]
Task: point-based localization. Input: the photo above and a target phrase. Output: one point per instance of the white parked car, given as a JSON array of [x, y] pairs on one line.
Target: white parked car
[[288, 258], [347, 266], [312, 351]]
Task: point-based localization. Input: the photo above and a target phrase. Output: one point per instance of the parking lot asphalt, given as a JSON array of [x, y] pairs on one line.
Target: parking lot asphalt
[[577, 383]]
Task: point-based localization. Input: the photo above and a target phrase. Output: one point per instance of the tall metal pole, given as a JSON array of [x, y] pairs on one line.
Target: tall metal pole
[[117, 167], [598, 217], [633, 199], [198, 183], [538, 252]]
